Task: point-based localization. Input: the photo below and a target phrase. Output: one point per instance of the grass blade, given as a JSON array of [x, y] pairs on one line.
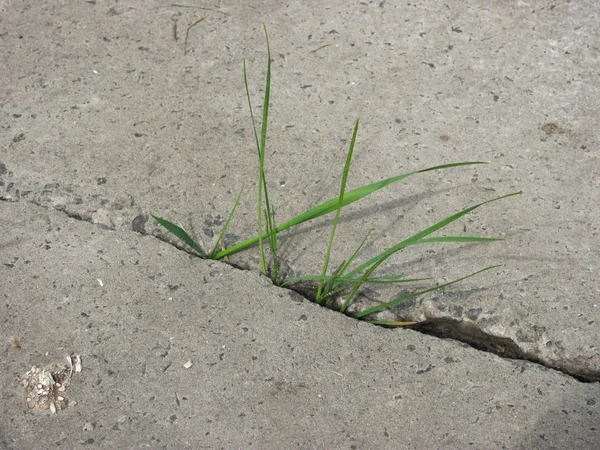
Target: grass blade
[[391, 323], [260, 147], [384, 279], [460, 239], [397, 301], [181, 234], [338, 211], [418, 237], [269, 210], [237, 200], [260, 242], [272, 239]]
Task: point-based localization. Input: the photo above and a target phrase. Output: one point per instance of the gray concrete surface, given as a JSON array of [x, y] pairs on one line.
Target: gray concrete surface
[[105, 120]]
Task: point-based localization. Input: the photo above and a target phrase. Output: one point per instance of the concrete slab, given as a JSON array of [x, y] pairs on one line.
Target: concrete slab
[[269, 369], [111, 113]]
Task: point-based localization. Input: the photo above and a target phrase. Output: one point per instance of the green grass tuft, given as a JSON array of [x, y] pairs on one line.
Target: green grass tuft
[[343, 280]]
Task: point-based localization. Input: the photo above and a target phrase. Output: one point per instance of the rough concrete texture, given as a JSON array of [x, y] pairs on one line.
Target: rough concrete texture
[[108, 116]]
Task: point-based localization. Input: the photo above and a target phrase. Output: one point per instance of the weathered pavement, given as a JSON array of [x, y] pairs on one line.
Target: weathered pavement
[[106, 120]]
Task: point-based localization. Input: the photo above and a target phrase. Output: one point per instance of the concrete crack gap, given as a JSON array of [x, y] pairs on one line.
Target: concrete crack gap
[[476, 338]]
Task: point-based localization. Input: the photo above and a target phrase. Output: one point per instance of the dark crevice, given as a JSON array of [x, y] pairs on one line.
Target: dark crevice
[[442, 328], [468, 333], [73, 215]]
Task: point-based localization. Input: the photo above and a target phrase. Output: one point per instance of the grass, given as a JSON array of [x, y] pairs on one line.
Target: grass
[[345, 280]]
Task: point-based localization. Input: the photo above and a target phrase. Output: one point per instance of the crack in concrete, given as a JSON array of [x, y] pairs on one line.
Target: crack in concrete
[[503, 347], [442, 328]]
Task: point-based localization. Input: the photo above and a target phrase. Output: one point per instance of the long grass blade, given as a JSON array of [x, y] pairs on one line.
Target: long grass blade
[[418, 237], [262, 183], [221, 254], [391, 323], [405, 298], [460, 239], [339, 209], [385, 279], [226, 225], [332, 204], [269, 210]]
